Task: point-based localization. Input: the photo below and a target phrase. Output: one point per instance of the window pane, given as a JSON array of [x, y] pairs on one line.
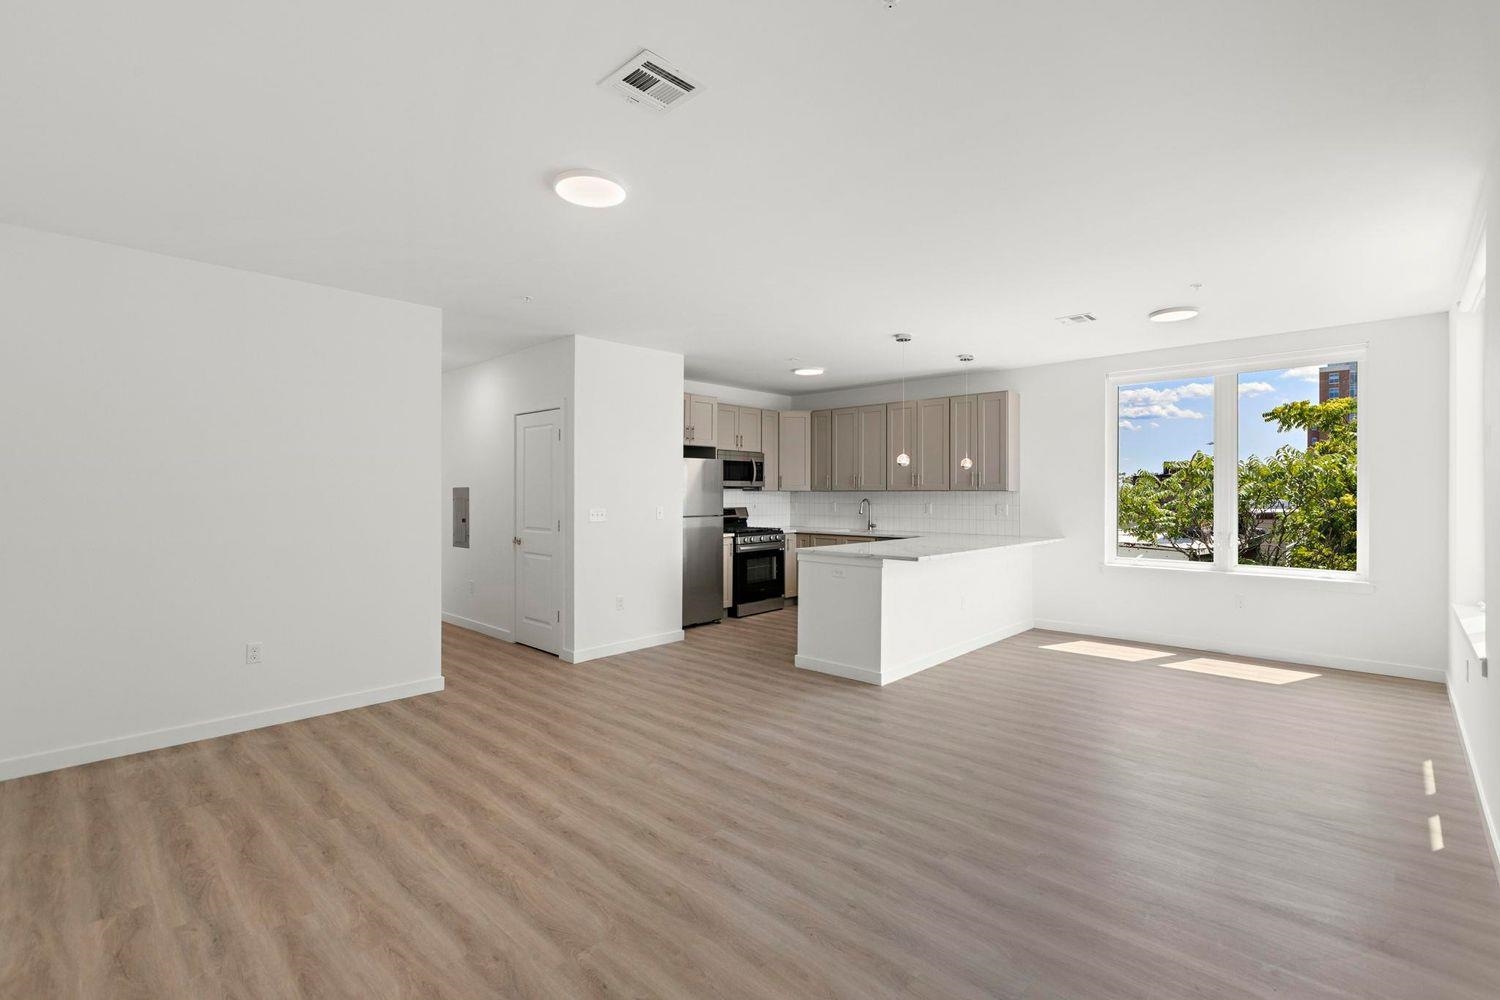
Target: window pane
[[1166, 485], [1298, 462]]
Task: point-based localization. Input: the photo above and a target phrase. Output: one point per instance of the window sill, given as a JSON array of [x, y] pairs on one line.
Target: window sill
[[1349, 583]]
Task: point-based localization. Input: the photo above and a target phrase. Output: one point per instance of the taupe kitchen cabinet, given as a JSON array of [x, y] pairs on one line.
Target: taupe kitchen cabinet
[[789, 578], [901, 432], [872, 448], [920, 428], [821, 449], [987, 427], [739, 427], [931, 456], [859, 457], [770, 446], [794, 460], [700, 420], [728, 570], [845, 448]]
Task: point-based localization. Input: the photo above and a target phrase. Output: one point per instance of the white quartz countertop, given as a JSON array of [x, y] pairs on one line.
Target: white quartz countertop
[[914, 548]]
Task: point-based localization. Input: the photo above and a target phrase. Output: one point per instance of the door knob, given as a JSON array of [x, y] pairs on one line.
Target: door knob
[[515, 541]]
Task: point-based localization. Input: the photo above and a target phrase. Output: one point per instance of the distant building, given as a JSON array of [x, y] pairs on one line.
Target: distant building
[[1340, 381]]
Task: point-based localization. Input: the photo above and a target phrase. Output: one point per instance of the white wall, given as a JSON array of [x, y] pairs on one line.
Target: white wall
[[1397, 627], [480, 404], [1476, 420], [627, 450], [623, 418], [195, 458]]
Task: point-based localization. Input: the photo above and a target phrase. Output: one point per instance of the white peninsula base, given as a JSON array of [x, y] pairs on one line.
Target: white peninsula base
[[880, 611]]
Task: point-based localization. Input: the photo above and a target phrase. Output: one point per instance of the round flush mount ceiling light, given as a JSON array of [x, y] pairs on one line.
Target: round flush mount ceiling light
[[588, 188], [807, 372], [1173, 314]]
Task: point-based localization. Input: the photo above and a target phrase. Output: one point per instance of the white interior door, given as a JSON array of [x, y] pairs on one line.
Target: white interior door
[[538, 538]]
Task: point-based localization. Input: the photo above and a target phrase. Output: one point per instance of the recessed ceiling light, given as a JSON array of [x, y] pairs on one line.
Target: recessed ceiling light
[[807, 371], [1173, 314], [588, 188]]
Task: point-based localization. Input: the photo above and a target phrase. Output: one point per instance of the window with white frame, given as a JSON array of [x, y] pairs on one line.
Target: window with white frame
[[1248, 466]]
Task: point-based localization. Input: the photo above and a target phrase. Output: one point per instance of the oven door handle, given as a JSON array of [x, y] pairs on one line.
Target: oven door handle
[[762, 547]]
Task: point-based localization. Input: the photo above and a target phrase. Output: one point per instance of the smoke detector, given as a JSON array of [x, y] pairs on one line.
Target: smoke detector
[[651, 82], [1078, 319]]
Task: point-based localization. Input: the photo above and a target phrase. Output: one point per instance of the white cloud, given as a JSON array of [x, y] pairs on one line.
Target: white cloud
[[1307, 373], [1256, 388], [1149, 401], [1126, 425], [1151, 394], [1166, 411]]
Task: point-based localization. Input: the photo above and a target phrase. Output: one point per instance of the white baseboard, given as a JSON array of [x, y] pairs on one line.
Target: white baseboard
[[837, 669], [623, 646], [1408, 670], [493, 631], [121, 746], [869, 675], [1485, 812]]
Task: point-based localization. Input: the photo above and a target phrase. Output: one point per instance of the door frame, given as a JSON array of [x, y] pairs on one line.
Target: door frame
[[563, 555]]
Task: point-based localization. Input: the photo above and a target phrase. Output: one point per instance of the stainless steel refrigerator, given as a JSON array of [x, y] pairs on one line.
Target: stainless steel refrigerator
[[703, 539]]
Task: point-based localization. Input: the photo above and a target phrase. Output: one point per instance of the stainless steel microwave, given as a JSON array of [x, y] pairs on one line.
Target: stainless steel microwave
[[743, 470]]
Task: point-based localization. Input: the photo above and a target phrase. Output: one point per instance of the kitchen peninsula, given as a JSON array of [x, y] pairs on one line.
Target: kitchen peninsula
[[880, 611]]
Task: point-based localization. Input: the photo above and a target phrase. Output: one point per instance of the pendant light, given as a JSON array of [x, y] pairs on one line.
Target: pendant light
[[903, 459], [966, 463]]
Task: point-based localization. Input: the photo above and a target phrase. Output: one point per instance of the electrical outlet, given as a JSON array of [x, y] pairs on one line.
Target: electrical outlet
[[597, 514], [838, 574], [1239, 602], [619, 602], [661, 512], [1002, 509], [252, 652], [927, 508]]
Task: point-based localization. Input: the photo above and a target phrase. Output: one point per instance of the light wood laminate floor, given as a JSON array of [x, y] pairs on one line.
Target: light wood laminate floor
[[703, 820]]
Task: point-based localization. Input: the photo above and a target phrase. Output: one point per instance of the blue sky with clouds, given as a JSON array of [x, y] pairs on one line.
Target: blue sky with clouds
[[1170, 419]]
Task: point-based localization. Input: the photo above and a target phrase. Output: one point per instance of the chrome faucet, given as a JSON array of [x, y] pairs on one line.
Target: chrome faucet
[[868, 510]]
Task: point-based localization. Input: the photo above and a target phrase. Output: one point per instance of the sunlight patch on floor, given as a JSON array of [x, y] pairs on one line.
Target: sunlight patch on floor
[[1241, 671], [1109, 650]]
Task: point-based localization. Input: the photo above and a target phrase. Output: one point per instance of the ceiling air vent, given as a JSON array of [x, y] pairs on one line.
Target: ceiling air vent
[[651, 82], [1078, 319]]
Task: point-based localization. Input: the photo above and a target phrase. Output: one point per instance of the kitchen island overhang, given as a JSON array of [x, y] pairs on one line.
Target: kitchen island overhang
[[880, 611]]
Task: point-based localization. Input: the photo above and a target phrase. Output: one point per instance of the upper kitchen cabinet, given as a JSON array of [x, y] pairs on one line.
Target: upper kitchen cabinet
[[752, 437], [846, 448], [769, 440], [920, 429], [999, 418], [872, 453], [931, 457], [739, 427], [700, 420], [821, 449], [963, 442], [858, 448], [795, 457], [986, 428], [901, 435]]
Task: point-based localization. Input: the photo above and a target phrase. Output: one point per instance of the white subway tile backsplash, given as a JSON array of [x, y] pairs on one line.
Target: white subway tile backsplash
[[959, 513]]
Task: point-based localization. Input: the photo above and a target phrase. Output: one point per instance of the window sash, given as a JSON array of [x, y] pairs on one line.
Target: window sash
[[1225, 375]]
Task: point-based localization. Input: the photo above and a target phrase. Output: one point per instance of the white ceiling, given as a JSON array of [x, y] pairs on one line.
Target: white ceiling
[[965, 170]]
